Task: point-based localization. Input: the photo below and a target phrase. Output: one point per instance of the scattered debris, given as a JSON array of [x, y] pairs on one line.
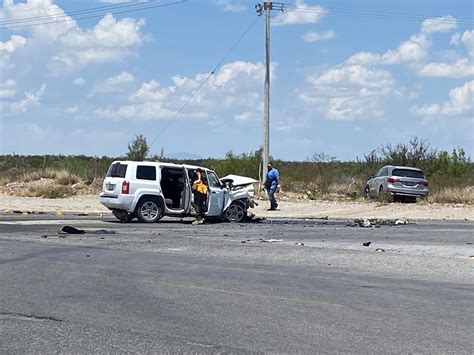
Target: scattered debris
[[270, 240], [44, 236], [58, 213], [73, 230], [380, 249], [366, 244], [83, 214], [70, 230], [376, 222]]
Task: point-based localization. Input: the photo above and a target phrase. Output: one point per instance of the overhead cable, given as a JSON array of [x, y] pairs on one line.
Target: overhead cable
[[94, 16], [205, 80]]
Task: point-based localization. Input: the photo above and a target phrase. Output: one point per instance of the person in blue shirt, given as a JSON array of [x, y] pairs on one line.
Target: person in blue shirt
[[271, 184]]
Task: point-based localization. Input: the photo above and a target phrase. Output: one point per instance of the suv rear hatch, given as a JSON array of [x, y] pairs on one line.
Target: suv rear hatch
[[409, 179], [113, 183]]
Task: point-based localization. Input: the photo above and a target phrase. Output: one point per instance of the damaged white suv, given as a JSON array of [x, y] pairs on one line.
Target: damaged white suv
[[151, 190]]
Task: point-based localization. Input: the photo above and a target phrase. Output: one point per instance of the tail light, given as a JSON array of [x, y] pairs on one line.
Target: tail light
[[392, 180], [425, 183], [126, 187]]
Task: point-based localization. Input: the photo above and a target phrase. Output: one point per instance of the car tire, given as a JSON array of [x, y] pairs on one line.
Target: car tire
[[235, 213], [149, 210], [367, 192], [123, 216]]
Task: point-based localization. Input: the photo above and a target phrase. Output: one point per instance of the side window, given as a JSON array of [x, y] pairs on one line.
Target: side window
[[384, 172], [145, 172], [213, 179], [379, 173]]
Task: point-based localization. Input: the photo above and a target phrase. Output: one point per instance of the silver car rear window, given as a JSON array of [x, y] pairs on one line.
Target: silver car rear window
[[117, 170], [408, 173]]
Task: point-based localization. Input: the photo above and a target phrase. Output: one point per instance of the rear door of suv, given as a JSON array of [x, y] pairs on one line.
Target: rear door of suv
[[113, 183]]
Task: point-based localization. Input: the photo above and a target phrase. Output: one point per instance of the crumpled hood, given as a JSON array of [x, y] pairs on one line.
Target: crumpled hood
[[238, 180]]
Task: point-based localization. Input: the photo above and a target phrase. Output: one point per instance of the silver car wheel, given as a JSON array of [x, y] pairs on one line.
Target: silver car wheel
[[235, 213], [149, 211], [366, 192]]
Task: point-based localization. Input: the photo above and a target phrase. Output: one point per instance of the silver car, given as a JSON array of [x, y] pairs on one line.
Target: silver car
[[399, 181]]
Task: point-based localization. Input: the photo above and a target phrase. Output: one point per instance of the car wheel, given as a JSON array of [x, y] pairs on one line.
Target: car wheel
[[366, 192], [148, 211], [235, 213], [123, 216]]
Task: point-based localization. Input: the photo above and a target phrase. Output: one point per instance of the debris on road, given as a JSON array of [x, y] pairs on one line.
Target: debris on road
[[70, 230], [380, 249], [299, 243], [73, 230], [376, 222], [270, 240], [366, 244]]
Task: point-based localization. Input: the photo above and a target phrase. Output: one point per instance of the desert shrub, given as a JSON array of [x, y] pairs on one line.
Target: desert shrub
[[50, 191]]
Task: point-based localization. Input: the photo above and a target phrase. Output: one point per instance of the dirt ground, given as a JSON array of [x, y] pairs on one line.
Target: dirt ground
[[287, 209]]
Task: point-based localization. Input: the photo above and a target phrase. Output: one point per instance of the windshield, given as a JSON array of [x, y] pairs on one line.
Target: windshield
[[117, 170], [408, 173]]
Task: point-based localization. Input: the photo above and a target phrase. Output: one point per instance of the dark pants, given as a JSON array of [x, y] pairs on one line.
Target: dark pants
[[200, 202]]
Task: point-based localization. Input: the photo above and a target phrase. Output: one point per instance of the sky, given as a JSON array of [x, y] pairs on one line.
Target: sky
[[87, 76]]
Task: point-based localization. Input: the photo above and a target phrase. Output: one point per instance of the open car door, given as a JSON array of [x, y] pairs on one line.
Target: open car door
[[216, 195]]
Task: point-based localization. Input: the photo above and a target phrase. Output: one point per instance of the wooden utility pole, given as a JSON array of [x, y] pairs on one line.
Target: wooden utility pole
[[267, 6]]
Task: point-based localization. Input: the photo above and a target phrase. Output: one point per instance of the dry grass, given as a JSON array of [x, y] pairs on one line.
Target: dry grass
[[464, 195], [61, 176], [50, 191]]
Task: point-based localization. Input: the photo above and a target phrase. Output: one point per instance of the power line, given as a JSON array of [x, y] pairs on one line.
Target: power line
[[375, 14], [96, 16], [218, 65], [76, 12], [422, 16]]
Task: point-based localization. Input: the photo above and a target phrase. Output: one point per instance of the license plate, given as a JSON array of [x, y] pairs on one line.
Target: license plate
[[110, 186], [409, 183]]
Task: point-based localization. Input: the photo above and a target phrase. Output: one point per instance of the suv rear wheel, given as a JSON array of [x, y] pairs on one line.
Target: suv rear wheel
[[123, 216], [148, 210]]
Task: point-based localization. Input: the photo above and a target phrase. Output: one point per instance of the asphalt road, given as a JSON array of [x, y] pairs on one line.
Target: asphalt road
[[175, 287]]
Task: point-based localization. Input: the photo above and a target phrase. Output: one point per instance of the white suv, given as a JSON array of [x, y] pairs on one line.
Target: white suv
[[151, 190]]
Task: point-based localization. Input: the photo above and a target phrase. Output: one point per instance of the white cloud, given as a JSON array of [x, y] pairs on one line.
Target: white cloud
[[14, 43], [408, 52], [72, 109], [459, 69], [234, 89], [460, 103], [439, 24], [38, 8], [300, 14], [67, 45], [468, 40], [318, 36], [32, 98], [455, 39], [114, 83], [249, 117], [349, 92], [230, 6], [109, 40], [411, 51], [79, 81], [8, 89]]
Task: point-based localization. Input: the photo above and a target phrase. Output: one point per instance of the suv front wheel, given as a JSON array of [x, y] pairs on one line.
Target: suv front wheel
[[148, 210], [236, 212]]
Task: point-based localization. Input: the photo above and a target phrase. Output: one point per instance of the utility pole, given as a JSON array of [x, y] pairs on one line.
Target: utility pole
[[267, 6]]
